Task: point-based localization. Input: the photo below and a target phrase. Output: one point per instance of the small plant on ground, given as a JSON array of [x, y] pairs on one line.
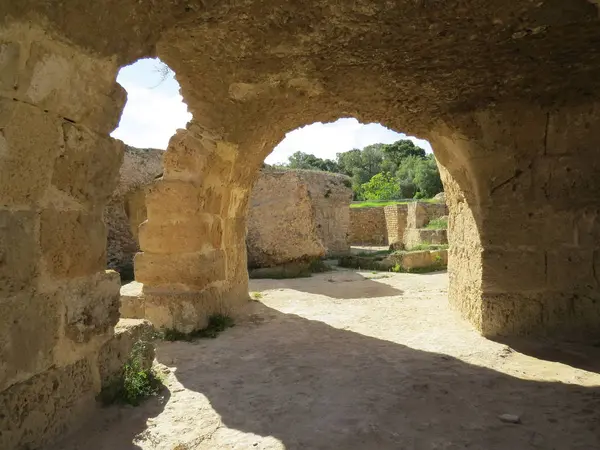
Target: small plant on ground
[[135, 383], [319, 266], [217, 323], [441, 223], [256, 296]]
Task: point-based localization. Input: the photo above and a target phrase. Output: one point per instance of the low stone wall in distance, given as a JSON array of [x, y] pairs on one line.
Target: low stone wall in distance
[[368, 226]]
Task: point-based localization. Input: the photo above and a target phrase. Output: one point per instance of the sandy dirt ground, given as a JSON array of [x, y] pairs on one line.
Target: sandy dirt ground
[[359, 360]]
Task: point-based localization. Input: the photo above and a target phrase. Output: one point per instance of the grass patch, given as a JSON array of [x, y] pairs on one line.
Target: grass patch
[[135, 383], [428, 246], [441, 223], [319, 266], [375, 204], [436, 267], [217, 323], [256, 296]]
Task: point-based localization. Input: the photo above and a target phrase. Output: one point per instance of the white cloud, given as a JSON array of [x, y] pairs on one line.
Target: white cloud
[[325, 140], [155, 110]]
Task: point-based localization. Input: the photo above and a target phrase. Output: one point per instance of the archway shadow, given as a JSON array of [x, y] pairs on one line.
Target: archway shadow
[[115, 427], [313, 386], [341, 284], [581, 356]]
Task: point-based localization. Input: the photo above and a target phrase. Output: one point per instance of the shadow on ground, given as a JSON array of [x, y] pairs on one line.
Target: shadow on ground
[[341, 284], [312, 386], [116, 427], [585, 357]]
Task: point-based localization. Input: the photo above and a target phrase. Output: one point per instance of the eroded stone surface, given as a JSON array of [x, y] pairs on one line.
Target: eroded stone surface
[[126, 209], [483, 81], [297, 216]]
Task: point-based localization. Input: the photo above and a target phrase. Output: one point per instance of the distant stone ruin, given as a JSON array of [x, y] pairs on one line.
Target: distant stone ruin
[[400, 226], [126, 209], [297, 216], [514, 138]]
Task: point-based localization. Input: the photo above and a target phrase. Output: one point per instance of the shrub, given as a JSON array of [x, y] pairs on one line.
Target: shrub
[[217, 323]]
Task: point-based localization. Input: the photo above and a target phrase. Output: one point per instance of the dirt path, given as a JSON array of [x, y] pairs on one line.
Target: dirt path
[[351, 360]]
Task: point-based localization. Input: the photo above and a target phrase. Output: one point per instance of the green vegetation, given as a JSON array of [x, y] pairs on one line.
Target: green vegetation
[[319, 266], [441, 223], [380, 171], [217, 323], [374, 204], [428, 269], [135, 383], [256, 296], [428, 246]]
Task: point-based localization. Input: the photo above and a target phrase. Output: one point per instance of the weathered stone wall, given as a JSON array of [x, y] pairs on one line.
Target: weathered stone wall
[[523, 222], [368, 226], [297, 215], [330, 196], [419, 214], [193, 259], [395, 222], [58, 168], [126, 209], [518, 158], [416, 236], [282, 224]]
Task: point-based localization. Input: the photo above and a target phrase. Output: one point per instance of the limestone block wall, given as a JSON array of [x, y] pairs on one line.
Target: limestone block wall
[[126, 209], [415, 236], [330, 196], [58, 168], [193, 258], [297, 215], [282, 224], [395, 222], [368, 226], [523, 224], [419, 214]]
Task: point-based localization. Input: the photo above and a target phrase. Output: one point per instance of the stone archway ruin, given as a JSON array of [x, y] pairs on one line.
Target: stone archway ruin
[[487, 85]]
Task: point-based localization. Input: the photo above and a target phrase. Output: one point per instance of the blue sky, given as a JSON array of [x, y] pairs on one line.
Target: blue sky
[[155, 110]]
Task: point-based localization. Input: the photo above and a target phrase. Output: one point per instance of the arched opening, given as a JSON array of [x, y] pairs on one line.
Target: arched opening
[[154, 111], [326, 190], [514, 137]]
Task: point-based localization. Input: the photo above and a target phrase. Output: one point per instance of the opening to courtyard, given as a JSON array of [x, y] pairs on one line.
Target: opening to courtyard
[[517, 151]]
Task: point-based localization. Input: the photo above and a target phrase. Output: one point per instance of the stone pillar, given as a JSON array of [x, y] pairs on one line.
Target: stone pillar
[[193, 260], [58, 167], [395, 221], [523, 189]]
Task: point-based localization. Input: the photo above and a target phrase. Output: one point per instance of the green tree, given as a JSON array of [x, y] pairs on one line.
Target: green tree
[[382, 186], [301, 160], [402, 149], [427, 178]]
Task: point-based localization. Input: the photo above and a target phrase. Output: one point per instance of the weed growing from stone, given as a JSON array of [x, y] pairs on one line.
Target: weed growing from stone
[[256, 296], [135, 383], [217, 323]]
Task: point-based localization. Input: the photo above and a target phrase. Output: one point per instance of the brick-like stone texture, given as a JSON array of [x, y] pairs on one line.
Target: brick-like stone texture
[[368, 226]]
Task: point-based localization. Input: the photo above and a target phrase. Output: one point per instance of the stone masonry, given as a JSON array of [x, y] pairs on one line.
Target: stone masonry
[[126, 209], [515, 140], [297, 216], [367, 226]]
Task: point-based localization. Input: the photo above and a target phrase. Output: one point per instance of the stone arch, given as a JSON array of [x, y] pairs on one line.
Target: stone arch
[[514, 136]]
